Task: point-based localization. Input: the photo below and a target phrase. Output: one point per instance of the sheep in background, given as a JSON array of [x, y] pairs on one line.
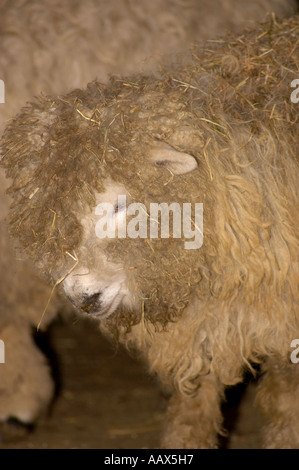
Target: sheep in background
[[55, 46], [222, 131], [26, 386]]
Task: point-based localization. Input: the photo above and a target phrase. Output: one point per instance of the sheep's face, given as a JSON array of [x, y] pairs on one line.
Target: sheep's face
[[93, 149], [101, 284], [97, 286]]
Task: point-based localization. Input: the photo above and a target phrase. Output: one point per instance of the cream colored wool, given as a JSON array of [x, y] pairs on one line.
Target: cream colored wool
[[200, 319], [54, 46]]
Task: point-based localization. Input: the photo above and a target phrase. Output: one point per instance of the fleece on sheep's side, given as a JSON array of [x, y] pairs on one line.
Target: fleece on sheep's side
[[231, 133]]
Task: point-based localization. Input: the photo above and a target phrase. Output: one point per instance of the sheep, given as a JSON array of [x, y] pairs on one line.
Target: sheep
[[125, 38], [26, 387], [221, 131]]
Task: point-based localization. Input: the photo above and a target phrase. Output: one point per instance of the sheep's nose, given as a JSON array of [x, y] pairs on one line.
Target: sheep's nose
[[91, 303]]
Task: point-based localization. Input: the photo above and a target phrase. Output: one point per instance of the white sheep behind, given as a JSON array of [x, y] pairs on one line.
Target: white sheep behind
[[53, 47]]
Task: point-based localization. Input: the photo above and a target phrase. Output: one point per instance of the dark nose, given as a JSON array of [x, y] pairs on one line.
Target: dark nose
[[91, 303]]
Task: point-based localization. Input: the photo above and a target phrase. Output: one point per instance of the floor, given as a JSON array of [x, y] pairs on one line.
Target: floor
[[106, 400]]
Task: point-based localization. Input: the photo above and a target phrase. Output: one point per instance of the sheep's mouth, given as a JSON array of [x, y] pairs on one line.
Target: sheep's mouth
[[87, 308], [93, 307], [94, 311], [91, 304], [91, 311]]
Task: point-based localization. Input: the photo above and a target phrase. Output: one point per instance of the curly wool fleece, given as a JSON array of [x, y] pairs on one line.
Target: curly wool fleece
[[231, 110]]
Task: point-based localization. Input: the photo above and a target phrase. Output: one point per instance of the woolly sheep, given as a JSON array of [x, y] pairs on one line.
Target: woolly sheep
[[123, 35], [223, 132]]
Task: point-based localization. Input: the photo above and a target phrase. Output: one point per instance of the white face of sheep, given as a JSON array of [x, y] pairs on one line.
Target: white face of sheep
[[96, 286]]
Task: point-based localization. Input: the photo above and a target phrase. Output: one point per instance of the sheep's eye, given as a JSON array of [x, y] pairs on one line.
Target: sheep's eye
[[119, 208]]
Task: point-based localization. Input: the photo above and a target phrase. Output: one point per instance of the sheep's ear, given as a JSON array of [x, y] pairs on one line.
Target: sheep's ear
[[163, 155]]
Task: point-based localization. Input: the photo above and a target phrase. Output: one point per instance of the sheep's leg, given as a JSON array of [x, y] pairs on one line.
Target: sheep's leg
[[278, 395], [193, 422], [26, 386]]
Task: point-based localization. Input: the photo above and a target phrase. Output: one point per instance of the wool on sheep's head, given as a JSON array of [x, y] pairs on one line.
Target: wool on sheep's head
[[230, 111]]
